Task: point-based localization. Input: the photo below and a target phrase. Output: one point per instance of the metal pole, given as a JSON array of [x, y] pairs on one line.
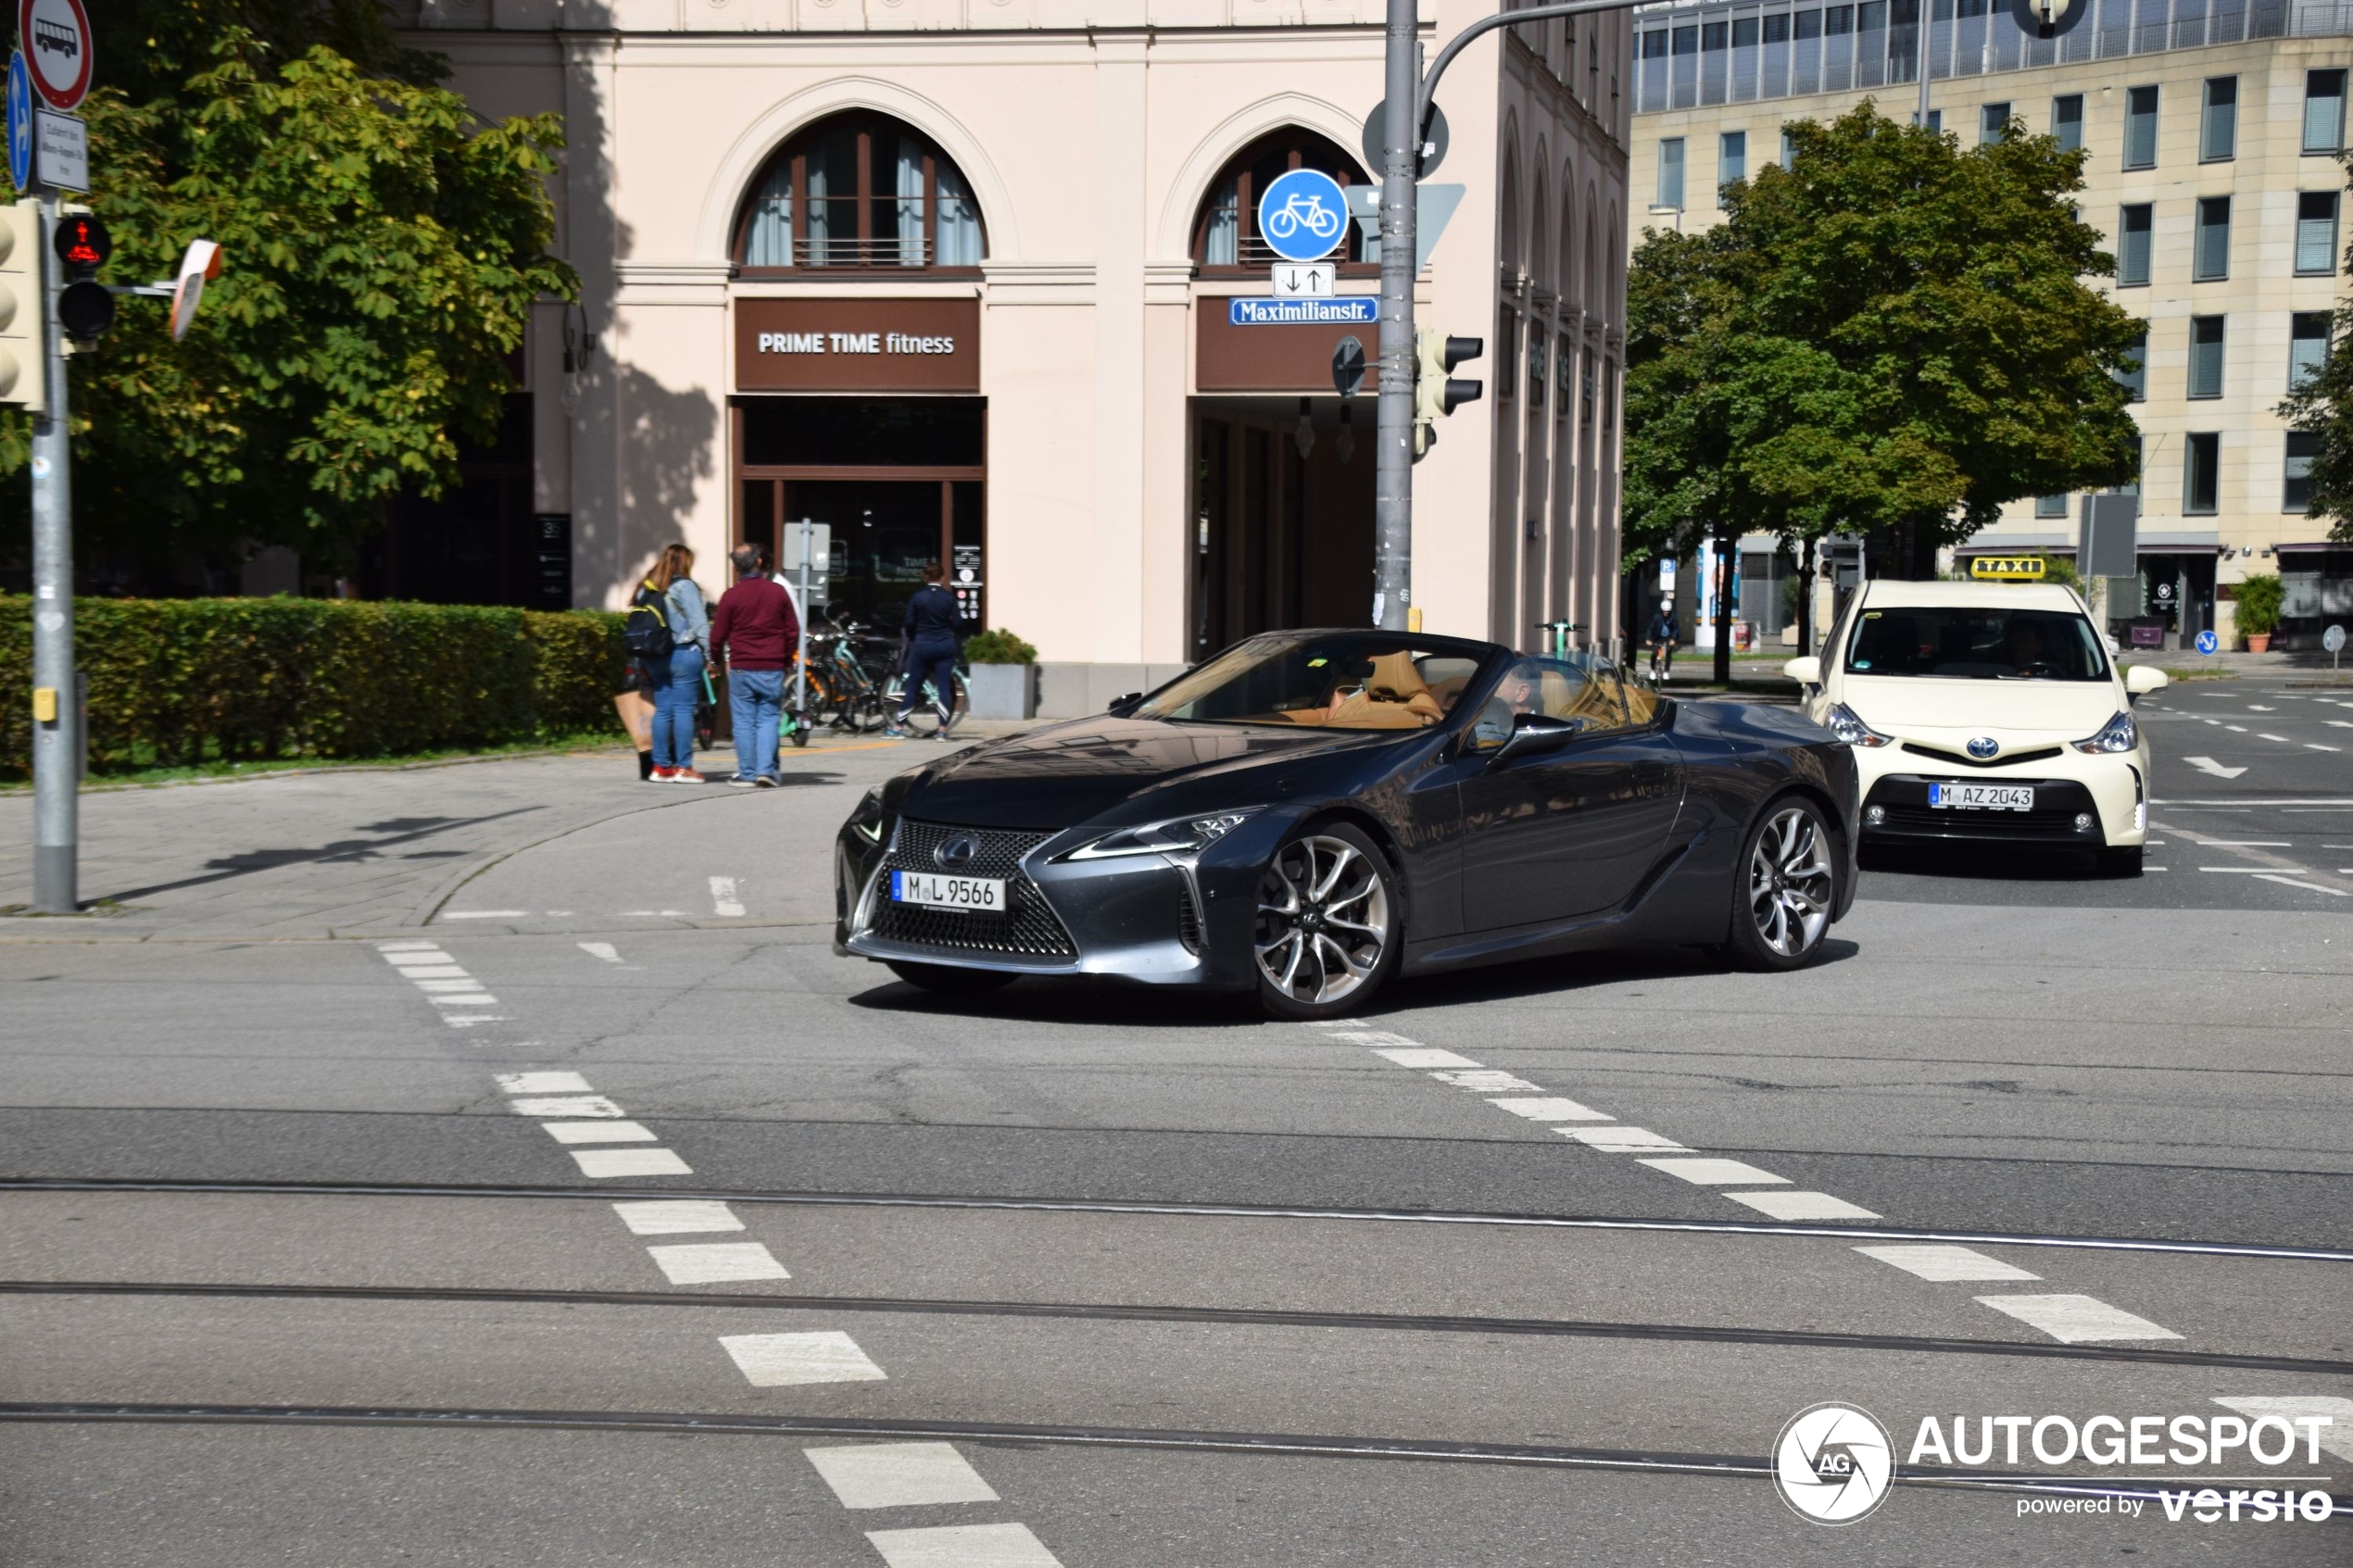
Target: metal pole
[[1928, 14], [800, 658], [1393, 417], [55, 795]]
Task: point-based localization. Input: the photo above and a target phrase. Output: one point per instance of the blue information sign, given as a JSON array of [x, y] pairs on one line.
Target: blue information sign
[[1350, 310], [1304, 215], [20, 121], [2207, 642]]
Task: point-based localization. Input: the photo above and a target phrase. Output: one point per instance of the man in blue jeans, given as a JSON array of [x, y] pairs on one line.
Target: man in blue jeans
[[756, 632]]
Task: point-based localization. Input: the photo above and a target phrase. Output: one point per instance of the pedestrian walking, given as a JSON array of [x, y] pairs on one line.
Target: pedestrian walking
[[756, 633], [933, 644], [1661, 637], [669, 591], [636, 710]]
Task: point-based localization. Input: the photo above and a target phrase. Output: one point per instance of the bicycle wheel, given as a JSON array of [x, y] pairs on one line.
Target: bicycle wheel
[[927, 720]]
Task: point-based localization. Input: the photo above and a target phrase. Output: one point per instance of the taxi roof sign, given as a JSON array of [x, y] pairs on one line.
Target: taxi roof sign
[[2008, 569]]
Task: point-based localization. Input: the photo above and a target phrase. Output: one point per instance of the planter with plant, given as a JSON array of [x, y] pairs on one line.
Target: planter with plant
[[2256, 610], [1003, 680]]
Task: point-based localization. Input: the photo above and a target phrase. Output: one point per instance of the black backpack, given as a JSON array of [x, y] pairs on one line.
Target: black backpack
[[648, 629]]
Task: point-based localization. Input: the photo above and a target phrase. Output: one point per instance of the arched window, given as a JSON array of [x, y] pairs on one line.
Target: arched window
[[1225, 235], [861, 192]]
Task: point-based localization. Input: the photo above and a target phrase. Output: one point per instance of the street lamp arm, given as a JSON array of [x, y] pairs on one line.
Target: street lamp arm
[[1488, 24]]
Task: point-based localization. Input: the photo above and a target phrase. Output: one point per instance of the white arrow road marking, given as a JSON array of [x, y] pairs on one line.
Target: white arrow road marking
[[2076, 1320], [2207, 765], [2268, 866], [2308, 887], [604, 950], [722, 898]]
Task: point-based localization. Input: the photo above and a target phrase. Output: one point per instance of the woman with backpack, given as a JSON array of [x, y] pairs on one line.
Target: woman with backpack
[[668, 630]]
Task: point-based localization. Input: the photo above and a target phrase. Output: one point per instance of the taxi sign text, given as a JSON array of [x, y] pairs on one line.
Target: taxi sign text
[[2007, 569]]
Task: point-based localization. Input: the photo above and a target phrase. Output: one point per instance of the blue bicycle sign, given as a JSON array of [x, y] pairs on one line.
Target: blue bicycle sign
[[1304, 215]]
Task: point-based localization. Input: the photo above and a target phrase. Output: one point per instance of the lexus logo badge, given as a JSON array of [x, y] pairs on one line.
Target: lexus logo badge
[[1980, 746], [957, 851]]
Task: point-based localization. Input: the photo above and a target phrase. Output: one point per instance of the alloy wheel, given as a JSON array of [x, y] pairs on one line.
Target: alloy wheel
[[1791, 882], [1323, 919]]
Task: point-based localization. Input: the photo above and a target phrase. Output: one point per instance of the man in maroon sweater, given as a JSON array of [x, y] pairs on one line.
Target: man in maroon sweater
[[756, 632]]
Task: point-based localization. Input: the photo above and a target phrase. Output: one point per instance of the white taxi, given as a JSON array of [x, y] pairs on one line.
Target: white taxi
[[1986, 711]]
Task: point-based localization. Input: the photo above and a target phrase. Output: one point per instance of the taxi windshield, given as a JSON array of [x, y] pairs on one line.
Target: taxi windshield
[[1976, 643], [1337, 680]]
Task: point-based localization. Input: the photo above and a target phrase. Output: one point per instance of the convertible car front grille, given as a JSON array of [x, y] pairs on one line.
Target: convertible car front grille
[[1029, 928]]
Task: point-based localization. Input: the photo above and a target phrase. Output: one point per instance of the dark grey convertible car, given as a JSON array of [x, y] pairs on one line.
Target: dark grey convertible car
[[1310, 813]]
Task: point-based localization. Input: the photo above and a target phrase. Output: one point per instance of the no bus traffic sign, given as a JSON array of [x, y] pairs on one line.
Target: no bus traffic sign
[[54, 38]]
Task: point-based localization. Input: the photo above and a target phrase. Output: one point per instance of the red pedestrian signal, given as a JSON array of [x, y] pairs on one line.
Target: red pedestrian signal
[[82, 243]]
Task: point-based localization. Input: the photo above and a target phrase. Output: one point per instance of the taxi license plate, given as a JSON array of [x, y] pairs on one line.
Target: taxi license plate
[[1982, 797], [980, 895]]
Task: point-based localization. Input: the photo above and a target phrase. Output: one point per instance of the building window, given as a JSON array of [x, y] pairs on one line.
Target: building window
[[1670, 171], [2050, 505], [860, 190], [2132, 246], [2217, 127], [2308, 346], [2067, 120], [2133, 376], [1936, 120], [1226, 234], [2133, 485], [2206, 357], [1732, 158], [2140, 127], [2201, 476], [2323, 111], [2295, 478], [2210, 253], [2315, 233], [1990, 119], [1788, 149]]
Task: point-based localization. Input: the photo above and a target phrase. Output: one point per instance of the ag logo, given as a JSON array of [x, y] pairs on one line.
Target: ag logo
[[1833, 1464]]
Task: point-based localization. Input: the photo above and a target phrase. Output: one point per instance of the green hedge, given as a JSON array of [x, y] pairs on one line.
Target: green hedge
[[179, 681]]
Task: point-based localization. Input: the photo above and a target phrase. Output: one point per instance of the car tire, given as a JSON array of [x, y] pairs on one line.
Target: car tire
[[2122, 862], [1784, 887], [948, 980], [1328, 900]]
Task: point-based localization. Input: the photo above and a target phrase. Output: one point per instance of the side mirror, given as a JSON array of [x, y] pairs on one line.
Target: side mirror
[[1120, 703], [1805, 671], [2142, 679], [1537, 732]]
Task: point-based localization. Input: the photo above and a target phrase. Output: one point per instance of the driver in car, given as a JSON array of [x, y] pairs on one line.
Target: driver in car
[[1515, 695], [2022, 646]]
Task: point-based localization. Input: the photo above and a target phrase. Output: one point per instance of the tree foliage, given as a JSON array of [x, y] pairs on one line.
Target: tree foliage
[[2324, 404], [382, 249], [1893, 333]]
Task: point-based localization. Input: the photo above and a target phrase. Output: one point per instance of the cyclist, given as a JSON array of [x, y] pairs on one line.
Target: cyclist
[[933, 644], [1661, 639]]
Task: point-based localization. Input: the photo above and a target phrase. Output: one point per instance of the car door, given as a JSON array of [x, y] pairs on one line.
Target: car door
[[1566, 832]]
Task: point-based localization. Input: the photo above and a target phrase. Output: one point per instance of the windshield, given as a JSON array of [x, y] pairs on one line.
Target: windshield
[[1976, 642], [1338, 680]]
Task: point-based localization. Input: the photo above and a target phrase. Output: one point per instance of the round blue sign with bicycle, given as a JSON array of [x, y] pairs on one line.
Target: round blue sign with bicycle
[[2207, 642], [1304, 215]]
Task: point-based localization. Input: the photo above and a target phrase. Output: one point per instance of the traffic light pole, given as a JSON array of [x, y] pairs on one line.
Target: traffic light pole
[[1409, 94], [56, 750]]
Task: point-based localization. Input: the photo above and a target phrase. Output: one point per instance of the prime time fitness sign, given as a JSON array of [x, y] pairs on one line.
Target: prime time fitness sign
[[858, 346]]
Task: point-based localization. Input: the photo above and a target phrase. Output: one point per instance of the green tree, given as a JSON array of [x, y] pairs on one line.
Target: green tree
[[1893, 336], [383, 250], [2324, 404]]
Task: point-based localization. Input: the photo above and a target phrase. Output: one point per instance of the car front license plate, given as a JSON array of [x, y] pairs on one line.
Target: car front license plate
[[980, 895], [1982, 797]]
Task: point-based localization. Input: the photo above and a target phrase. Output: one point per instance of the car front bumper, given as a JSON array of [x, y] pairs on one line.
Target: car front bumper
[[2110, 790]]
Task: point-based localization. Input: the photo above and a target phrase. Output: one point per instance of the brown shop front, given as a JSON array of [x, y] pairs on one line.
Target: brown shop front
[[865, 414]]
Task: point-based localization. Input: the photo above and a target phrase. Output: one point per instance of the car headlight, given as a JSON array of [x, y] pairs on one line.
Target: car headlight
[[868, 818], [1847, 726], [1178, 836], [2121, 735]]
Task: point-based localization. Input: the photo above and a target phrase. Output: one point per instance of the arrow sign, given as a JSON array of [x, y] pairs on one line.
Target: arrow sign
[[2207, 765], [1348, 366]]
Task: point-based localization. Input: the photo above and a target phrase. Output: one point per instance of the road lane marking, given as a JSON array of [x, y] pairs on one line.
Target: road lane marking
[[567, 1105], [543, 1084], [963, 1545], [2336, 1436], [609, 1163], [2258, 708], [471, 1000], [407, 947], [438, 988], [2338, 724], [1552, 1110], [2316, 746], [2236, 729], [2308, 887], [2281, 739], [2207, 765], [1485, 1081], [604, 950], [2266, 865], [2247, 844], [1802, 1205], [600, 1132], [1423, 1056], [1372, 1037], [789, 1361], [716, 1263], [484, 914], [423, 965], [723, 902], [469, 1020], [1945, 1264], [1714, 1173], [1624, 1140], [2076, 1320], [2249, 870], [900, 1475], [686, 1216]]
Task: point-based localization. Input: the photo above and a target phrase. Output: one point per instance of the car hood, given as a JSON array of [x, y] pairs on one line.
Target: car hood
[[1928, 709], [1075, 772]]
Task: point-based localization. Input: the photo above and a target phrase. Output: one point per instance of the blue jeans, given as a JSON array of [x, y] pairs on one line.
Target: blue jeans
[[674, 699], [755, 699], [934, 662]]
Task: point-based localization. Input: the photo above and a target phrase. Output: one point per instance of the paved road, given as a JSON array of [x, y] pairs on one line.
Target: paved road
[[564, 1200]]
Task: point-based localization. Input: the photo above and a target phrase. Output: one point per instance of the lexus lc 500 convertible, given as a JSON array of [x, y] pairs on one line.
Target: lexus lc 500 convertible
[[1311, 812]]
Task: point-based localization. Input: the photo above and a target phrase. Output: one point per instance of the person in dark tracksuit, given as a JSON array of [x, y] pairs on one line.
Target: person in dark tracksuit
[[933, 644]]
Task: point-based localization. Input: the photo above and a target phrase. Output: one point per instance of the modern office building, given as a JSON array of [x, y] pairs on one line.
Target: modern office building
[[2212, 129], [958, 279]]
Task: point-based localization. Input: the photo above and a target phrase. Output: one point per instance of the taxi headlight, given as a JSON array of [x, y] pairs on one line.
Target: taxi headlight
[[2120, 735], [1178, 836], [1847, 726]]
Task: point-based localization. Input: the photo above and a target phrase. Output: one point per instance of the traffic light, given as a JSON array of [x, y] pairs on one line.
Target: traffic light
[[85, 308], [23, 326], [1435, 392]]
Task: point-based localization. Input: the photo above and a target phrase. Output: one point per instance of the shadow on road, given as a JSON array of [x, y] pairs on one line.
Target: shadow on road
[[395, 832], [1971, 862]]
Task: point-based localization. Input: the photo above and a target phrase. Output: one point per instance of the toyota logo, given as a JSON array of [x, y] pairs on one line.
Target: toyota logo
[[1983, 746], [957, 851]]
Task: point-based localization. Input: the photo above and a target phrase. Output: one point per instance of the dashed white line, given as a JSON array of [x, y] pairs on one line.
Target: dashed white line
[[484, 914], [723, 902], [2248, 871], [900, 1475], [2077, 1320], [2308, 887], [447, 988], [604, 950], [2245, 844], [408, 947], [611, 1163], [2336, 1436], [566, 1105], [1485, 1081], [1552, 1110], [786, 1361], [1799, 1206], [2281, 739], [543, 1084], [686, 1216], [1422, 1056], [469, 999], [2316, 746], [1373, 1037], [1714, 1173], [963, 1545], [1624, 1140], [716, 1263], [600, 1132], [1945, 1264]]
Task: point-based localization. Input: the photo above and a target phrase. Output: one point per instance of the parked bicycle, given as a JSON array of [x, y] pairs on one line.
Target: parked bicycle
[[925, 718]]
